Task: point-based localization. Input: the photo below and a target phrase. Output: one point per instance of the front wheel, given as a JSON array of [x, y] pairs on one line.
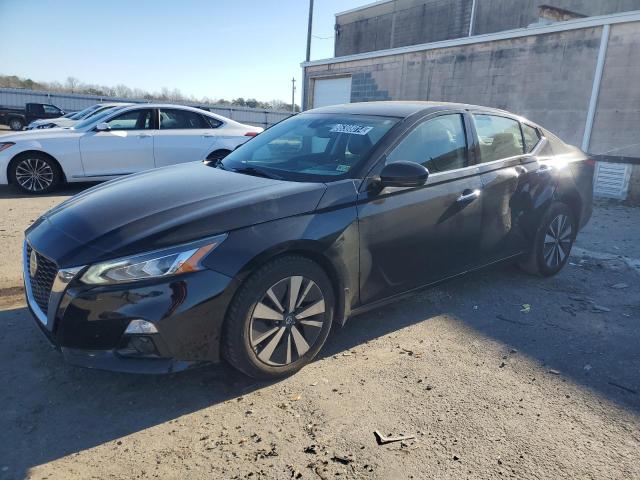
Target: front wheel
[[35, 173], [279, 319], [553, 241]]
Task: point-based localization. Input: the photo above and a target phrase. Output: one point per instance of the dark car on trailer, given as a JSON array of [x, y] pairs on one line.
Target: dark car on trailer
[[325, 215]]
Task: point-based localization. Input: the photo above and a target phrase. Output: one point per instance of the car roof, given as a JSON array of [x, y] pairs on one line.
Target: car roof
[[401, 109]]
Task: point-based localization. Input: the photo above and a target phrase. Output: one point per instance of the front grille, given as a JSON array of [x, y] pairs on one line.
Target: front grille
[[42, 282]]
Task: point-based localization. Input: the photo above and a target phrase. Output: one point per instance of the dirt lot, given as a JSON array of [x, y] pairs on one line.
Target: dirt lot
[[488, 390]]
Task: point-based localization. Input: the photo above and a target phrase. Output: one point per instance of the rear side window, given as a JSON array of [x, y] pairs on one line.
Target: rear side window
[[499, 137], [181, 119], [439, 144], [531, 137]]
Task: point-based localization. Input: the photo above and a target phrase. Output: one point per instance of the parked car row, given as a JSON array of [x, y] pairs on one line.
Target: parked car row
[[252, 258], [72, 118], [114, 141]]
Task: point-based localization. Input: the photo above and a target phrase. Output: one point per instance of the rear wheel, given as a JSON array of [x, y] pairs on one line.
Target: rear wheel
[[35, 173], [279, 319], [553, 241], [16, 124]]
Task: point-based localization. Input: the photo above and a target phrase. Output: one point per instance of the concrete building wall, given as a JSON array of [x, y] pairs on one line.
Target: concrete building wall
[[616, 128], [546, 78], [411, 22], [401, 23], [498, 15]]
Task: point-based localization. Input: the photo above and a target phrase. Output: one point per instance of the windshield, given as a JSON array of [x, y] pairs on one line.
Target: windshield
[[313, 147], [95, 119], [82, 113]]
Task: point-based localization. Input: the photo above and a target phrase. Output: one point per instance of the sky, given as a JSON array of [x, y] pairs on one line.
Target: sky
[[214, 48]]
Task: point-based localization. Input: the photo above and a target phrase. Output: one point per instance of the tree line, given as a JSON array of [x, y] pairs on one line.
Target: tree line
[[73, 85]]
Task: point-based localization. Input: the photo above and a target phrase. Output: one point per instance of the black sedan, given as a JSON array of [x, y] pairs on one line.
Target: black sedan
[[325, 215]]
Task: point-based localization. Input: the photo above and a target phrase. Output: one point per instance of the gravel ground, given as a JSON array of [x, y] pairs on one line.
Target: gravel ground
[[488, 390]]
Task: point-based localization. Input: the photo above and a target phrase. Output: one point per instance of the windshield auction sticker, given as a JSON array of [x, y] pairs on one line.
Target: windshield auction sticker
[[352, 129]]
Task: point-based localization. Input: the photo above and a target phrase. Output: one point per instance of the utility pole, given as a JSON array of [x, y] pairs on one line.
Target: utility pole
[[309, 30], [293, 95]]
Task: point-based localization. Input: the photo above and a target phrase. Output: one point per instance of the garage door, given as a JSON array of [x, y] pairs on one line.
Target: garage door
[[331, 91], [612, 180]]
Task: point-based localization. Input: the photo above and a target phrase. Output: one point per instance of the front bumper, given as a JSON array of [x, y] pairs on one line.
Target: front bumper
[[88, 323]]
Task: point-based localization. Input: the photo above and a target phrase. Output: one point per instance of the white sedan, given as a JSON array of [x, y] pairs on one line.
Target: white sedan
[[118, 142]]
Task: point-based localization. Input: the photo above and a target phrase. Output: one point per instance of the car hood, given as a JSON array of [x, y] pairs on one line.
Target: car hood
[[37, 134], [161, 208]]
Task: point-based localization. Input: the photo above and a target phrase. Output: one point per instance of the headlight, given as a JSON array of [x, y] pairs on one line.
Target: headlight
[[5, 145], [162, 263]]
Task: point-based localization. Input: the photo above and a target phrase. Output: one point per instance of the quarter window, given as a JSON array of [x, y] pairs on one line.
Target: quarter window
[[531, 137], [181, 119], [499, 137], [132, 120], [439, 144]]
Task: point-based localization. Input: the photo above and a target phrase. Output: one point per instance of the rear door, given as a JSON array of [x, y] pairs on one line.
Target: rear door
[[184, 136], [510, 175], [414, 236], [126, 148]]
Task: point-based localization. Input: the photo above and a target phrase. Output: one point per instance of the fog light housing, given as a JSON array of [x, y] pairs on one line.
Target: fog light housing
[[143, 345], [140, 327]]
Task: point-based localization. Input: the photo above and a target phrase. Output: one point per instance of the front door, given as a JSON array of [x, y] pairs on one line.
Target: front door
[[126, 148], [415, 236], [184, 136]]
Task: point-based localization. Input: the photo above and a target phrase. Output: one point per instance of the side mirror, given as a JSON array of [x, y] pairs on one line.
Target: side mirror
[[403, 174], [103, 127]]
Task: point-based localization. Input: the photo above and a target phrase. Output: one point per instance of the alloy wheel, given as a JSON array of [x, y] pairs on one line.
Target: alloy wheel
[[288, 320], [34, 174], [557, 241]]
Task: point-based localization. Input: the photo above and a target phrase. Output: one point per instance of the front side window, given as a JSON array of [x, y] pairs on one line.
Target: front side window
[[172, 119], [314, 147], [499, 137], [439, 144], [531, 137], [50, 109], [132, 120]]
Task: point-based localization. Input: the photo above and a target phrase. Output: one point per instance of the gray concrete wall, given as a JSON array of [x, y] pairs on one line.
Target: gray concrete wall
[[401, 23], [616, 128], [411, 22], [498, 15], [546, 78]]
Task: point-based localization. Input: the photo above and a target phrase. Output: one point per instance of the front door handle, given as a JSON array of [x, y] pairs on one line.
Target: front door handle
[[207, 136], [468, 196], [544, 169], [144, 135]]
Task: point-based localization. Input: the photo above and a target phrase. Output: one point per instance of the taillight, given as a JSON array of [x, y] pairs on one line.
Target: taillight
[[251, 134], [591, 162]]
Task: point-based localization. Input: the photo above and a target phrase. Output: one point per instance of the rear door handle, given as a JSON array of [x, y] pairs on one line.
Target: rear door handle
[[206, 135], [468, 196]]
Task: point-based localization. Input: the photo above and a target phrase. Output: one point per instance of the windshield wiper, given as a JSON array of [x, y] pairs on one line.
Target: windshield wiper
[[256, 172]]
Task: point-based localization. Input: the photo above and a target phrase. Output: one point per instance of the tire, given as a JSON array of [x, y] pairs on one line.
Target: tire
[[263, 337], [218, 155], [35, 173], [16, 124], [553, 241]]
